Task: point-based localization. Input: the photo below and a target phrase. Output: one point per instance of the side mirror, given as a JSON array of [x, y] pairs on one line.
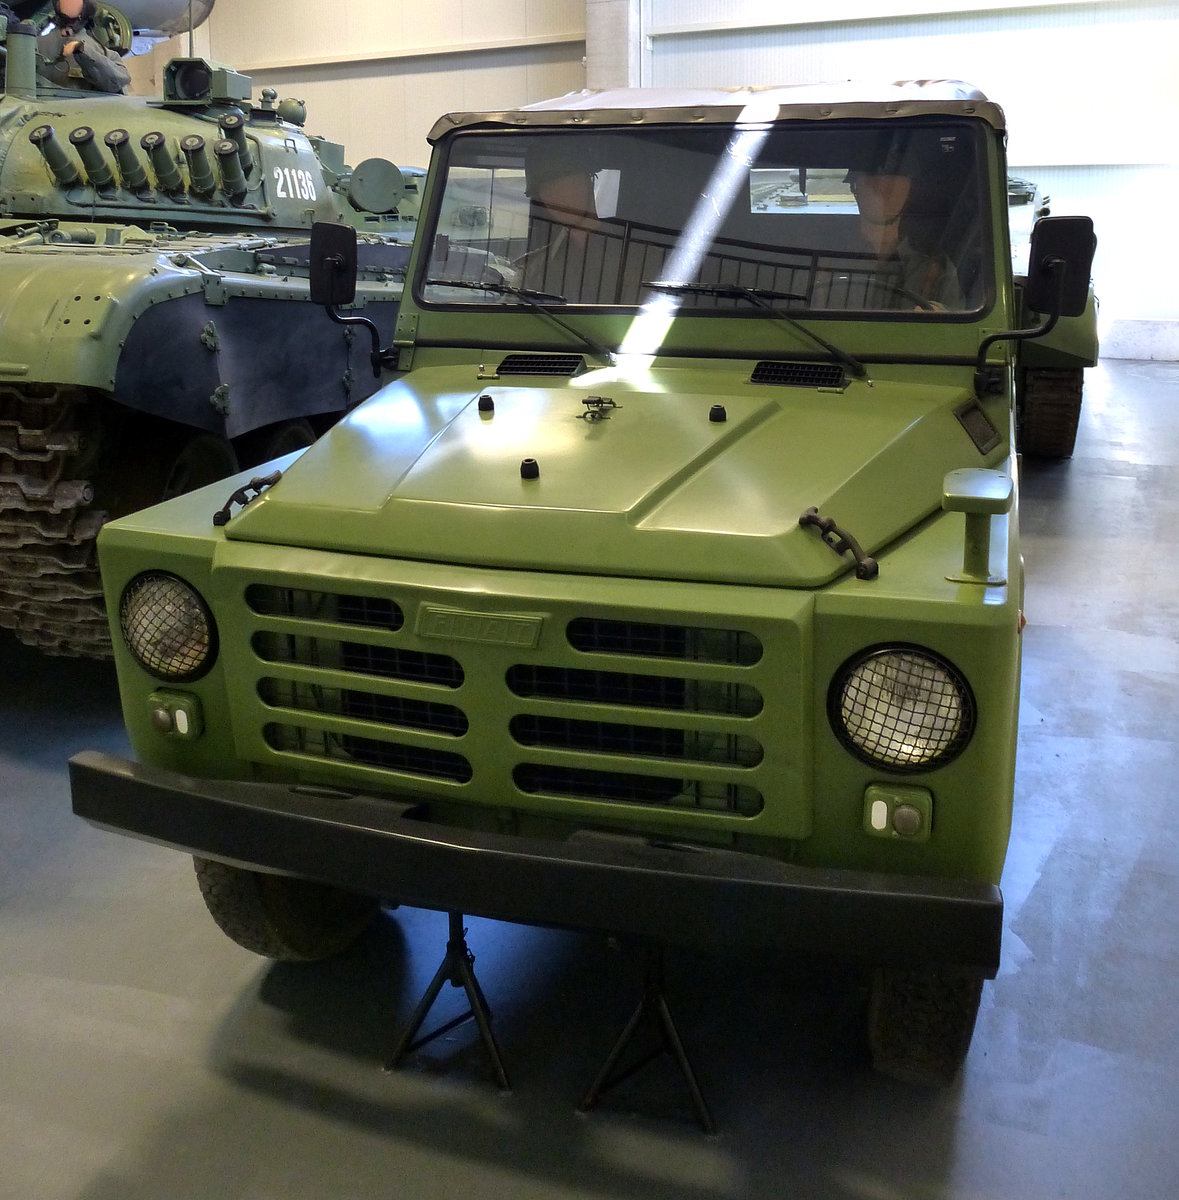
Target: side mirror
[[1059, 264], [333, 281], [333, 263]]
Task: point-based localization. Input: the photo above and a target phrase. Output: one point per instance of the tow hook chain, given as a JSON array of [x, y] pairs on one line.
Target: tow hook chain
[[841, 542], [245, 494]]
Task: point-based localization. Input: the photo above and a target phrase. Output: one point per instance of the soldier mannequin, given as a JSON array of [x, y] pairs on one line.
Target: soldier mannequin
[[881, 199], [70, 56], [561, 257]]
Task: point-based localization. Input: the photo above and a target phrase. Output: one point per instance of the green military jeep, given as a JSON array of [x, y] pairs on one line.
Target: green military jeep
[[671, 586]]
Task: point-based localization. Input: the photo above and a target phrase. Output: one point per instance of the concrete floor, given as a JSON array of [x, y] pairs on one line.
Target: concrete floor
[[143, 1055]]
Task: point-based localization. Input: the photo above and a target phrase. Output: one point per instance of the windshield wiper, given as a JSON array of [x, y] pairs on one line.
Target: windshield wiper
[[540, 302], [762, 297]]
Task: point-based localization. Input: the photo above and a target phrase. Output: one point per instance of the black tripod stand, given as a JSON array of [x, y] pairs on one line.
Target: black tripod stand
[[651, 1009], [455, 969]]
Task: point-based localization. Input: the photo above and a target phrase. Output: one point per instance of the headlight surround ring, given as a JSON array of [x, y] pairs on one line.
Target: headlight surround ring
[[167, 627], [902, 708]]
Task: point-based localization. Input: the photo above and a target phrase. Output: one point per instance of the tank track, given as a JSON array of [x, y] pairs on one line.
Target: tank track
[[50, 590], [1050, 411]]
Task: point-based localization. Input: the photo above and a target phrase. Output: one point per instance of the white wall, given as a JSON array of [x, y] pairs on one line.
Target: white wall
[[1091, 93]]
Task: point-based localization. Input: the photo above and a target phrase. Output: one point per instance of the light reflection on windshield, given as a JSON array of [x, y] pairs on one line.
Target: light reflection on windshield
[[646, 334]]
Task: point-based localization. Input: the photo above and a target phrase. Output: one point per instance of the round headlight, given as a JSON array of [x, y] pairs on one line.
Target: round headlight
[[902, 708], [166, 626]]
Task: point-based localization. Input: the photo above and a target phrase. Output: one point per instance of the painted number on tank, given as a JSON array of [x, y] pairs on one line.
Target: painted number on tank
[[294, 185]]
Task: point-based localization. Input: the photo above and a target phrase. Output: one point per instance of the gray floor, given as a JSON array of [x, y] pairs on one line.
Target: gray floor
[[142, 1055]]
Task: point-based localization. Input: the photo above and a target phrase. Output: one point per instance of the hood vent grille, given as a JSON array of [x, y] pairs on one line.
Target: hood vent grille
[[799, 374], [566, 365]]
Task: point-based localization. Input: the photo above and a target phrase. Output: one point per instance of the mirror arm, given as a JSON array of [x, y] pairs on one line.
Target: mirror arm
[[983, 379], [377, 358]]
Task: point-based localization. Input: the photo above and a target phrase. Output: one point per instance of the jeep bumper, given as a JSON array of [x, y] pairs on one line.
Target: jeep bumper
[[680, 894]]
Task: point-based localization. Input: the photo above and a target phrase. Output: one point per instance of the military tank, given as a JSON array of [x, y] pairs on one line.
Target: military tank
[[156, 331]]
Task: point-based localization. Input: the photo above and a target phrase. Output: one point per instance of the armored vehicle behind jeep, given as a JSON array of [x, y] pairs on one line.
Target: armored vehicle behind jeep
[[155, 330]]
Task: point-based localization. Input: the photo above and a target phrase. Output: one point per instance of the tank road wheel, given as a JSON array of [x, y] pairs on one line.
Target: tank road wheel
[[201, 458], [273, 441], [920, 1022], [159, 460], [1050, 411], [293, 920]]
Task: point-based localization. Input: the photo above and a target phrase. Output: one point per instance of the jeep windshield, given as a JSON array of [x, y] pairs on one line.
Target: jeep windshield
[[881, 219]]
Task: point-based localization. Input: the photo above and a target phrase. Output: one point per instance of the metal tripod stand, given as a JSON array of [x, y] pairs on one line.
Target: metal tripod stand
[[652, 1009], [455, 969]]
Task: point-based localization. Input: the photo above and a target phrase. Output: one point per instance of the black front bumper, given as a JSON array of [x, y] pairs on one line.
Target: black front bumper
[[684, 895]]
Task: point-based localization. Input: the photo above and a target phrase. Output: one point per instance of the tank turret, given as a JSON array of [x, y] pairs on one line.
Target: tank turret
[[156, 331]]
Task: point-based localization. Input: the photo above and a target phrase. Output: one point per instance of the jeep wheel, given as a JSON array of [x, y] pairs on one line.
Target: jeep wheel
[[1050, 411], [920, 1022], [294, 920]]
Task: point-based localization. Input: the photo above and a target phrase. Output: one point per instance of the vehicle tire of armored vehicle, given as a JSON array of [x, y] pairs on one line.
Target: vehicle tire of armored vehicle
[[293, 920], [273, 441], [198, 459], [1049, 410], [920, 1022]]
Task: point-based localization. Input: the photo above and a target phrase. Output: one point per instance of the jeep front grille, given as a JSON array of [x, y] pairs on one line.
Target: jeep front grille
[[366, 689], [663, 641], [633, 690], [389, 662], [397, 711], [366, 611], [638, 789], [393, 756], [644, 741]]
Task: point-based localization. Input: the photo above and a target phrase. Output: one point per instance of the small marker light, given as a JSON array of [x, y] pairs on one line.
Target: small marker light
[[176, 714]]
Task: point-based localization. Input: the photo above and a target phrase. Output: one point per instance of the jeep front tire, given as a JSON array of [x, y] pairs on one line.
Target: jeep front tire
[[292, 920], [920, 1022]]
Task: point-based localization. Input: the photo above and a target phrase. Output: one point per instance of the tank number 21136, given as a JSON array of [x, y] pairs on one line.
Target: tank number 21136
[[294, 185]]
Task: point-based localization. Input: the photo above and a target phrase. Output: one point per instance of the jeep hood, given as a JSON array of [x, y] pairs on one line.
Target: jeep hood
[[606, 475]]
